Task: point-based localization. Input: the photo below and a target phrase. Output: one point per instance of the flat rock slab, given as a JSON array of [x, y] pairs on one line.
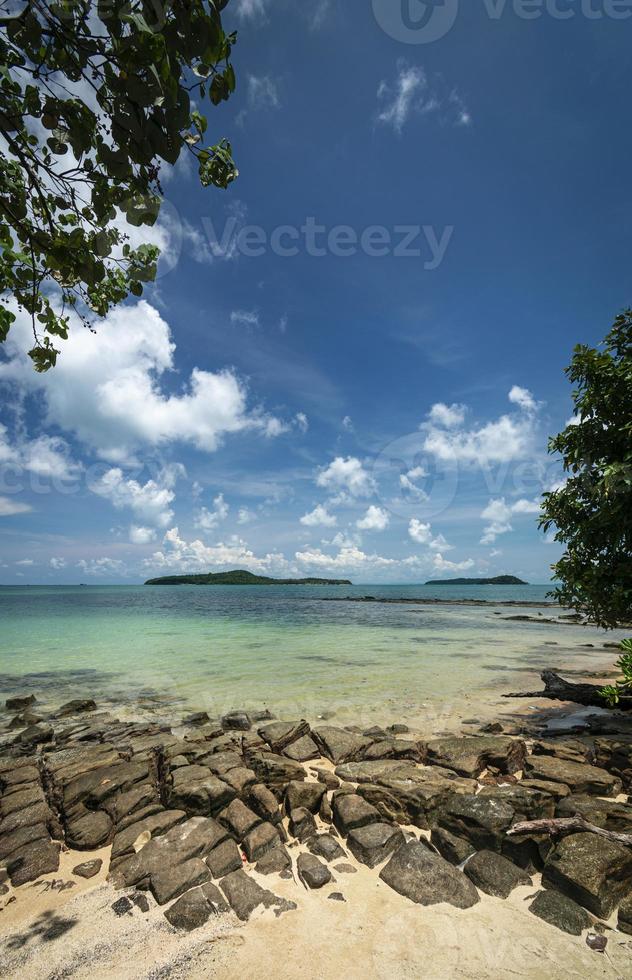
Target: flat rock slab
[[195, 907], [494, 874], [453, 849], [275, 771], [560, 911], [580, 777], [264, 803], [303, 750], [245, 895], [279, 734], [158, 823], [224, 858], [197, 791], [263, 838], [304, 794], [326, 846], [351, 811], [20, 838], [312, 872], [88, 869], [275, 861], [374, 843], [603, 813], [427, 879], [90, 831], [238, 819], [594, 872], [369, 771], [339, 745], [469, 756], [483, 821], [33, 861], [171, 881]]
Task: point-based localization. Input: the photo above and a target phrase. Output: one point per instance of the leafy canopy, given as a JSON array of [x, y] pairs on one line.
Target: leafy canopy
[[592, 512], [94, 96]]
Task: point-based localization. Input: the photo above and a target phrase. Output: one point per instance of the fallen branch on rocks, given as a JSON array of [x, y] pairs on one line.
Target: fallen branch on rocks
[[556, 827], [557, 689]]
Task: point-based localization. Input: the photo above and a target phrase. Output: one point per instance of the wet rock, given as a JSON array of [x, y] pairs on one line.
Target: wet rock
[[36, 735], [594, 872], [238, 819], [325, 846], [264, 803], [302, 824], [303, 750], [351, 811], [339, 745], [197, 719], [560, 911], [453, 849], [482, 821], [625, 915], [469, 756], [171, 881], [245, 895], [20, 702], [24, 719], [580, 777], [76, 707], [88, 869], [494, 874], [239, 721], [312, 872], [398, 729], [275, 861], [33, 861], [224, 858], [261, 839], [303, 794], [195, 907], [427, 879], [280, 734], [90, 831], [372, 844]]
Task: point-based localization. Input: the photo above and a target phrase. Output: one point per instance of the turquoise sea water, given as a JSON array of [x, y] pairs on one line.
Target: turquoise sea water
[[218, 647]]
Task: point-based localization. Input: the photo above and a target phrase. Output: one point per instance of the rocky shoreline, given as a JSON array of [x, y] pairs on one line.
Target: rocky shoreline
[[196, 815]]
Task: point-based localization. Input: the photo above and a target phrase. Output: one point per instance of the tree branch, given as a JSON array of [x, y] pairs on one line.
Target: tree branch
[[557, 827]]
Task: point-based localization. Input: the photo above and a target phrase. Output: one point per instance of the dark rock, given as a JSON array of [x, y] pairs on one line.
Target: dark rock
[[25, 796], [625, 915], [140, 901], [303, 794], [527, 803], [280, 734], [195, 907], [339, 745], [171, 881], [580, 777], [345, 869], [303, 750], [36, 735], [90, 831], [22, 837], [494, 874], [275, 771], [325, 846], [370, 771], [480, 820], [336, 897], [29, 816], [275, 861], [492, 728], [351, 811], [572, 750], [326, 813], [603, 813], [398, 729], [238, 721], [261, 839], [20, 703], [245, 895], [126, 805], [469, 756], [453, 849], [592, 871], [302, 824], [221, 763], [327, 778], [312, 872], [18, 777], [195, 838], [238, 819], [240, 779], [88, 869], [121, 906], [420, 792], [24, 719], [264, 803], [556, 790], [94, 787], [159, 823], [197, 719], [198, 794], [425, 878], [596, 942], [264, 714], [560, 911], [33, 861], [76, 707], [224, 858], [374, 843]]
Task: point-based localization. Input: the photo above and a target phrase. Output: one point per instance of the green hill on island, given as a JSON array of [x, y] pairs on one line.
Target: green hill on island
[[499, 580], [240, 577]]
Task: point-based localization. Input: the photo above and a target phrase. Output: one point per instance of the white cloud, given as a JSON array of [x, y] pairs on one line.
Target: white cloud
[[207, 520], [46, 456], [27, 562], [347, 476], [407, 482], [248, 318], [245, 516], [318, 14], [263, 92], [448, 416], [10, 507], [397, 101], [141, 535], [422, 534], [150, 501], [498, 513], [108, 389], [375, 519], [187, 556], [57, 563], [102, 567], [319, 517], [348, 558], [442, 564], [250, 9], [301, 421], [412, 92], [523, 398], [347, 423]]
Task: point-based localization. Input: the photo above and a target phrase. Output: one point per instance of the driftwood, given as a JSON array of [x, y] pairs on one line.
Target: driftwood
[[556, 827], [557, 689]]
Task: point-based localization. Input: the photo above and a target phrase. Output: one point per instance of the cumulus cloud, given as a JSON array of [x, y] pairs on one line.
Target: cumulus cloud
[[46, 456], [141, 535], [319, 517], [102, 567], [348, 558], [375, 519], [250, 9], [150, 501], [448, 416], [408, 485], [8, 507], [263, 92], [301, 421], [413, 92], [523, 398], [248, 318], [110, 389], [57, 563], [207, 520], [498, 514], [177, 554], [422, 534], [442, 564], [348, 477], [245, 516]]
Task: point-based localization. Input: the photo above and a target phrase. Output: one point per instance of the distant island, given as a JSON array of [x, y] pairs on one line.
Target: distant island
[[241, 578], [499, 580]]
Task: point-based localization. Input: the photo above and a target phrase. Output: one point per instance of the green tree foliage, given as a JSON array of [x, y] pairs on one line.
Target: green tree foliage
[[613, 694], [94, 96], [592, 512]]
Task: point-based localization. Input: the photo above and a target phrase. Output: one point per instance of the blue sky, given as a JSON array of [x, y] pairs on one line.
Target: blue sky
[[375, 404]]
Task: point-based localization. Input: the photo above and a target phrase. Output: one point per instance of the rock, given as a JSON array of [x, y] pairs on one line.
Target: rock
[[20, 703], [238, 819], [240, 779], [339, 745], [427, 879], [326, 813], [280, 734], [18, 777], [171, 881], [303, 750], [195, 838], [245, 895], [261, 839], [480, 820], [572, 750], [372, 844], [556, 790], [336, 897], [28, 816], [140, 901], [580, 777], [124, 806], [351, 811], [155, 825], [370, 771], [221, 763], [560, 911], [275, 771], [36, 735], [76, 707], [121, 906], [264, 803], [603, 813], [528, 804], [275, 861], [195, 907], [453, 849], [33, 861], [199, 794], [327, 778], [25, 796], [238, 721], [21, 838], [88, 869], [90, 831], [469, 756], [325, 846], [303, 794], [492, 728], [312, 872], [596, 942], [494, 874], [398, 729], [592, 871], [302, 824], [345, 869], [196, 720], [625, 915], [94, 787], [224, 858], [419, 793]]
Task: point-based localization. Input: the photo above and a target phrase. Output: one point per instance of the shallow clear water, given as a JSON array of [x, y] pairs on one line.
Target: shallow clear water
[[218, 647]]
